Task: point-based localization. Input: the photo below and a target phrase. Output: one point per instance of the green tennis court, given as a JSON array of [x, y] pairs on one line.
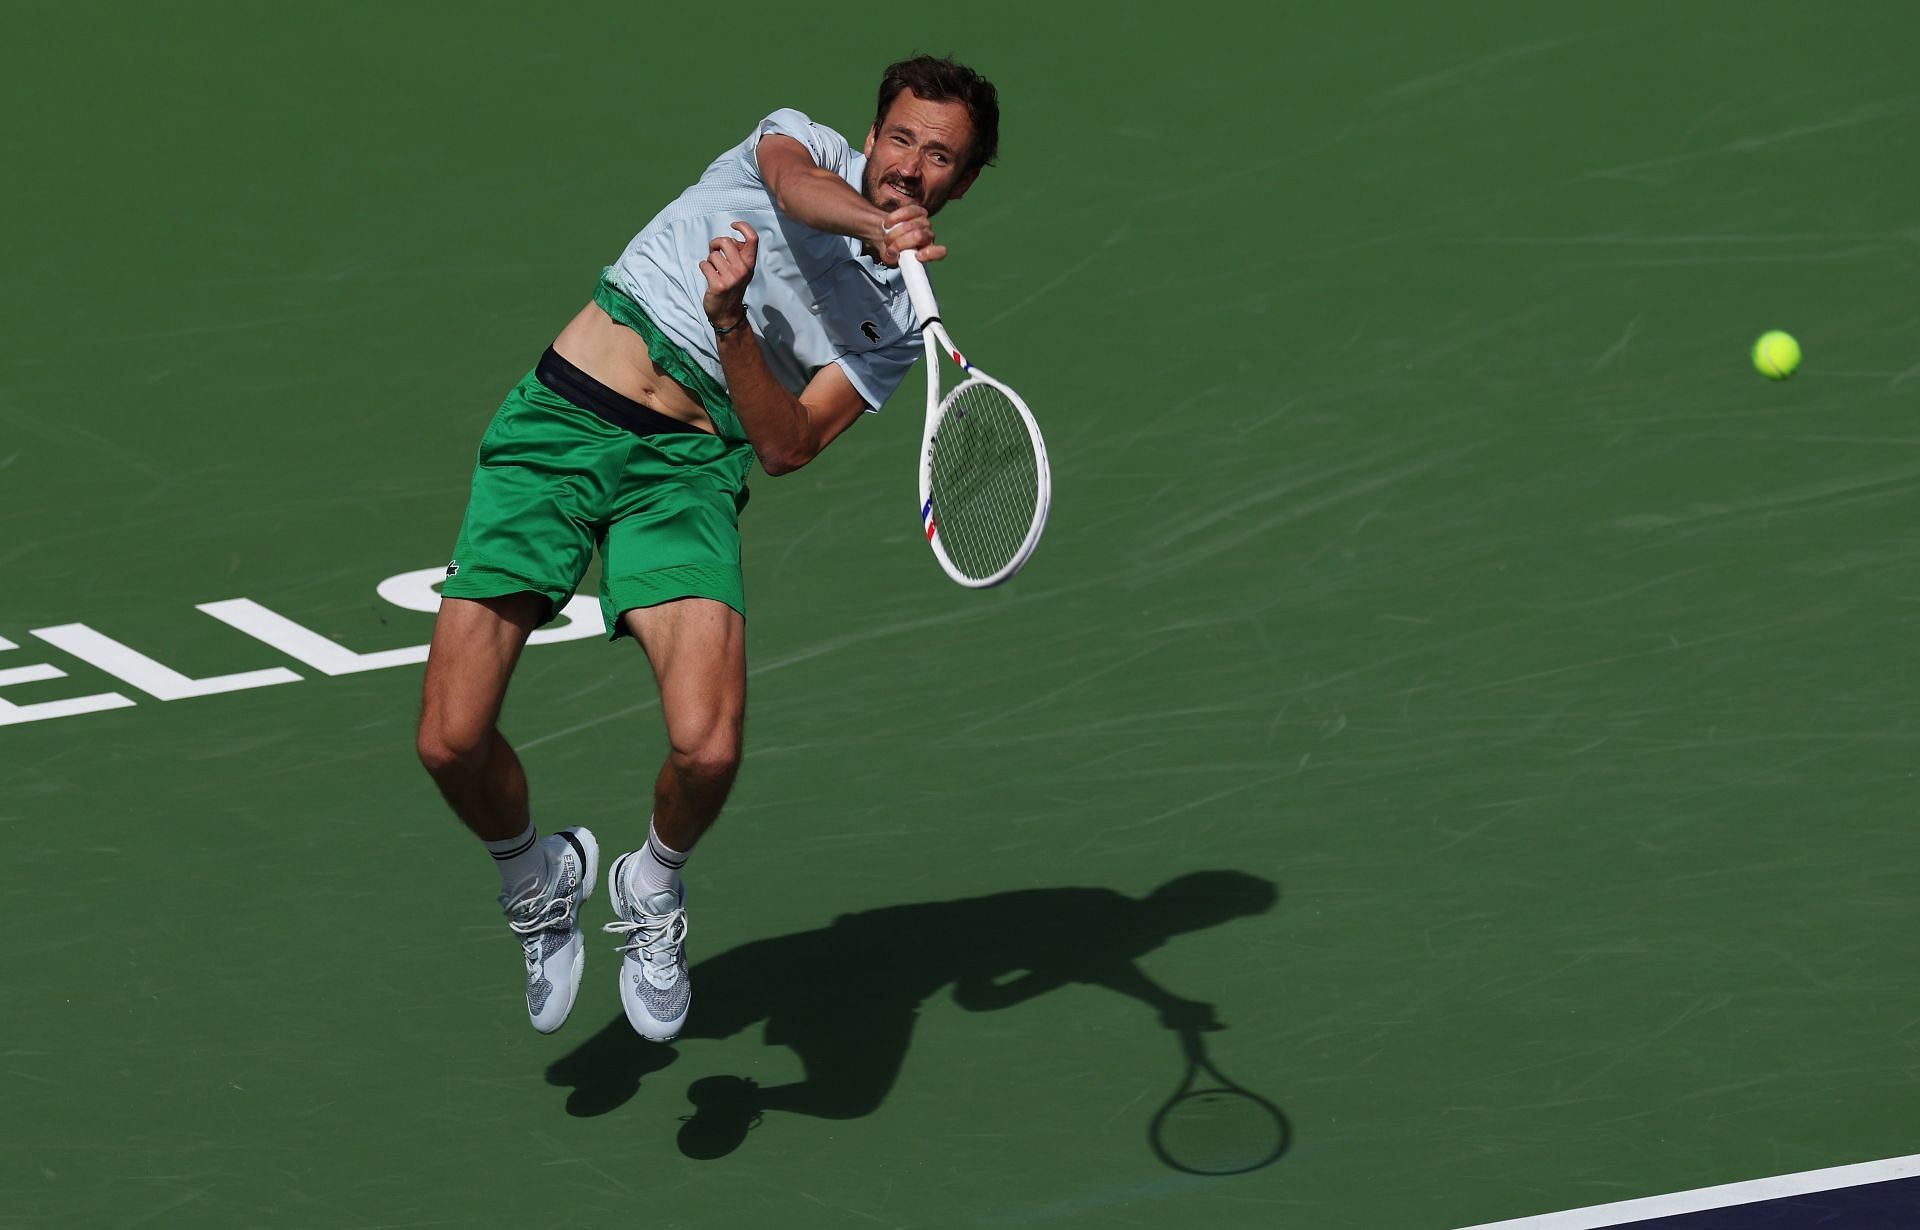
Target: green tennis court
[[1509, 691]]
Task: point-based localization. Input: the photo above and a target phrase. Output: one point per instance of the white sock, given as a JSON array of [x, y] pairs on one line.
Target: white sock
[[655, 868], [521, 860]]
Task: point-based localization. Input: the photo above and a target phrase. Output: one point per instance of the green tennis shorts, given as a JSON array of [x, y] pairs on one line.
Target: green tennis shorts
[[568, 466]]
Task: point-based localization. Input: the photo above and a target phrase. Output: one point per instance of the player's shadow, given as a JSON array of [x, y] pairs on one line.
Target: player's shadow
[[844, 998]]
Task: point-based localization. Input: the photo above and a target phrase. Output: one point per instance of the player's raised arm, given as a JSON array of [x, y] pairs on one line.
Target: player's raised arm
[[786, 431], [810, 193]]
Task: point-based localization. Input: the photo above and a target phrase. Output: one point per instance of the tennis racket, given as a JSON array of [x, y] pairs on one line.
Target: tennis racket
[[984, 481], [1212, 1126]]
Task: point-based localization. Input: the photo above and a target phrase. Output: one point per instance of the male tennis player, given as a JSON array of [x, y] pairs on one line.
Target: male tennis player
[[756, 316]]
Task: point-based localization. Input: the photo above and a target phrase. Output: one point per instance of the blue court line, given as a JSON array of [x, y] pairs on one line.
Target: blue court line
[[1868, 1196]]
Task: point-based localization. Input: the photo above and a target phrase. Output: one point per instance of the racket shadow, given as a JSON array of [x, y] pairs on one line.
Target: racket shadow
[[845, 998], [1214, 1126]]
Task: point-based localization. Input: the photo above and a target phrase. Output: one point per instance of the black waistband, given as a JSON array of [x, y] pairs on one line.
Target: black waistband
[[616, 408]]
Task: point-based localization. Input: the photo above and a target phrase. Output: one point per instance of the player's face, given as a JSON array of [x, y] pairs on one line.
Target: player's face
[[916, 155]]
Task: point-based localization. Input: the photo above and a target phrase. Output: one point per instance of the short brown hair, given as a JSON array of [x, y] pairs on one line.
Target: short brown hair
[[940, 79]]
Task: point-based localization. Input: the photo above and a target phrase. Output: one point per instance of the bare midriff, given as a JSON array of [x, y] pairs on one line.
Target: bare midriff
[[617, 357]]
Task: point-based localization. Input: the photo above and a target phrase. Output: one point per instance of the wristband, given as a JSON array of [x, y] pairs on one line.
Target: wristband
[[720, 332]]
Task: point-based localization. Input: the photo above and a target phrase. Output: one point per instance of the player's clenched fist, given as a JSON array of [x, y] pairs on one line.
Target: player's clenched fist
[[908, 229], [728, 269]]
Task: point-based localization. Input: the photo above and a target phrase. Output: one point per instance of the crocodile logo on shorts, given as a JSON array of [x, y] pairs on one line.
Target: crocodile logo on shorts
[[871, 330], [453, 567]]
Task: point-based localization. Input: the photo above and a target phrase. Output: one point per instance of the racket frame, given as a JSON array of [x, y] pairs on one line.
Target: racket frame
[[934, 337], [1199, 1064]]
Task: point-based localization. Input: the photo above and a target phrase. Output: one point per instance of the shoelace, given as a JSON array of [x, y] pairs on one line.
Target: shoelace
[[528, 918], [556, 913], [654, 938]]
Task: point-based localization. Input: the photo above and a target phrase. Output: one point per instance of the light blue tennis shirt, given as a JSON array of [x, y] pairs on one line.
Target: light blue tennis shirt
[[816, 297]]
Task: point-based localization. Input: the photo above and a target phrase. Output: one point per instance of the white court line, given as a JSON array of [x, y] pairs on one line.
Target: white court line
[[1705, 1199]]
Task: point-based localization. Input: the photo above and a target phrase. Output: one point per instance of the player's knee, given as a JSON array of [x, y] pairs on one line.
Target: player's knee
[[449, 756], [713, 758]]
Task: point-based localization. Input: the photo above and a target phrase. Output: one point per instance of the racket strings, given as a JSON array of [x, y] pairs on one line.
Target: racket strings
[[985, 479], [1218, 1132]]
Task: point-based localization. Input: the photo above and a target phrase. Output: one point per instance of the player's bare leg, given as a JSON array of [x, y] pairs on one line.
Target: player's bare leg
[[697, 647], [476, 644]]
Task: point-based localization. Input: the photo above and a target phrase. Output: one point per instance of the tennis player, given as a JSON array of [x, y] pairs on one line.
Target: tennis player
[[756, 317]]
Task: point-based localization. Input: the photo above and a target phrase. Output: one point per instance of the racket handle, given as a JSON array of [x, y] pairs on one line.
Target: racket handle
[[919, 290]]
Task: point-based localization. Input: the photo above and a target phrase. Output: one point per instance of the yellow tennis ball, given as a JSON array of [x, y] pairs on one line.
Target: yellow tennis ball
[[1776, 355]]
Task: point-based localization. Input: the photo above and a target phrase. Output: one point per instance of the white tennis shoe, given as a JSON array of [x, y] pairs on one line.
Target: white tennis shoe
[[546, 917], [654, 987]]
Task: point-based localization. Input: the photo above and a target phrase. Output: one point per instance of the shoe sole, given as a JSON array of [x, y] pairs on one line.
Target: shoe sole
[[589, 852], [613, 874]]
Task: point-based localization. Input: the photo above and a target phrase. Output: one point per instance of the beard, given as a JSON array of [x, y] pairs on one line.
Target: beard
[[878, 189]]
